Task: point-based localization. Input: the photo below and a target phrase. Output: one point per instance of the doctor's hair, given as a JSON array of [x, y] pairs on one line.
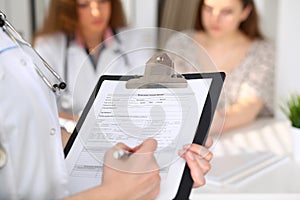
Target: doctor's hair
[[62, 17], [250, 26]]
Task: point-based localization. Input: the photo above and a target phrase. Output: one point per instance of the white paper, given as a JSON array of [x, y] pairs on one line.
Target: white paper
[[170, 115]]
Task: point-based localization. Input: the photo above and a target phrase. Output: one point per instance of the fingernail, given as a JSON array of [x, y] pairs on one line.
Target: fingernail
[[181, 152], [186, 146], [190, 155]]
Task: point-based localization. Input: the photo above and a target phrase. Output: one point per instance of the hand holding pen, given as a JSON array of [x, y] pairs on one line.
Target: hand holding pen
[[136, 171]]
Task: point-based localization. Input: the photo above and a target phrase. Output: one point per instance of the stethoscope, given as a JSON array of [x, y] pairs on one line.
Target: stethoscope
[[65, 99], [17, 39], [24, 45]]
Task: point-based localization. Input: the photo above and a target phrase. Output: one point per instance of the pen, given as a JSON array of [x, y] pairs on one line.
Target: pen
[[119, 154]]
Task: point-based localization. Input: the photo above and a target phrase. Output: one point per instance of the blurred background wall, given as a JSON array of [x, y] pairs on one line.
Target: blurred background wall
[[19, 14]]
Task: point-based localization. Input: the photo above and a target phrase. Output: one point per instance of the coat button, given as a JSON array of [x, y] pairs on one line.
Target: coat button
[[23, 62], [52, 131]]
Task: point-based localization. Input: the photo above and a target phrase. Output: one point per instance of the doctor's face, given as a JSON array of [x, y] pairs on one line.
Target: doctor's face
[[223, 17], [94, 15]]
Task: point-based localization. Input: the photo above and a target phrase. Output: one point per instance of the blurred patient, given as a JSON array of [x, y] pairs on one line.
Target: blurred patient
[[229, 31]]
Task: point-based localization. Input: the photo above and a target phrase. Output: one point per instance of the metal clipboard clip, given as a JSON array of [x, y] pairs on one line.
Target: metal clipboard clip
[[159, 73]]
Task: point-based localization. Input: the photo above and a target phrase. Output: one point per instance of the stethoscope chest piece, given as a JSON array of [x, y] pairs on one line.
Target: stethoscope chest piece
[[3, 156]]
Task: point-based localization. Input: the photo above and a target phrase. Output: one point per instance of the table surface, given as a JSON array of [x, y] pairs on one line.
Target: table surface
[[279, 181]]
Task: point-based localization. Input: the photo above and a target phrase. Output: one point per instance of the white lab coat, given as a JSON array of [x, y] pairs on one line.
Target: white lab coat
[[138, 45], [29, 130]]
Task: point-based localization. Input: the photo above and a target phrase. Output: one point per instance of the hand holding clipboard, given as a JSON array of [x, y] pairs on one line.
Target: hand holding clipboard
[[172, 108]]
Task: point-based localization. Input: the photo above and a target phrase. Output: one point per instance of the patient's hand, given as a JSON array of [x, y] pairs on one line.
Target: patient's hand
[[198, 159]]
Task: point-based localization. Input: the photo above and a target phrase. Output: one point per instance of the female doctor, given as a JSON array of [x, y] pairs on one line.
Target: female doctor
[[31, 156], [70, 42]]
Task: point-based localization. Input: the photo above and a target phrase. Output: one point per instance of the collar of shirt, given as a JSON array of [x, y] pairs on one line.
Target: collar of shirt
[[5, 42], [108, 38]]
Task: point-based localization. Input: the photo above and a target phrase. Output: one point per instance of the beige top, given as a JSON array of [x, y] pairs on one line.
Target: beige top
[[254, 76]]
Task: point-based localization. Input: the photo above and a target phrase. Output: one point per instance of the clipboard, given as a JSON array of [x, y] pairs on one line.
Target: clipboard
[[159, 76]]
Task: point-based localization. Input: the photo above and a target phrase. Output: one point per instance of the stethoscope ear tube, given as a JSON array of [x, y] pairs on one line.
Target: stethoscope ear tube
[[2, 17]]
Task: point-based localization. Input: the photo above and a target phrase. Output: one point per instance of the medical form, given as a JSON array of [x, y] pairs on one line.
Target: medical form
[[118, 114]]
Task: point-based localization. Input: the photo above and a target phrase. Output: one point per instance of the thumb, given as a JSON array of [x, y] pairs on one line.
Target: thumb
[[122, 146], [148, 146], [144, 156]]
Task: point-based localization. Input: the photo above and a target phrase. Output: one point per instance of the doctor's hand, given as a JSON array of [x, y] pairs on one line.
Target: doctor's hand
[[133, 177], [198, 159]]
